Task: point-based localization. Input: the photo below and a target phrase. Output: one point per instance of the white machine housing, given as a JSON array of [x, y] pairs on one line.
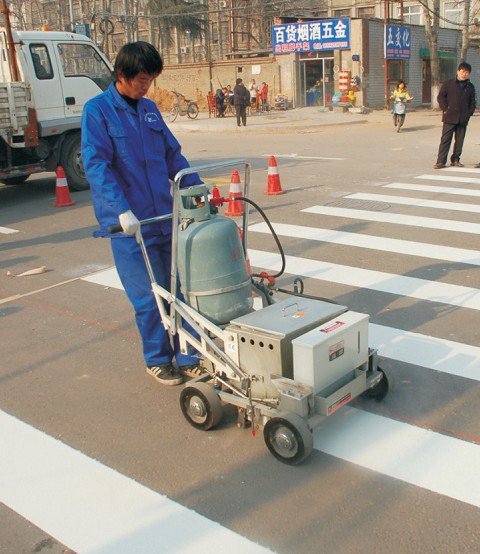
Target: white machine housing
[[331, 351]]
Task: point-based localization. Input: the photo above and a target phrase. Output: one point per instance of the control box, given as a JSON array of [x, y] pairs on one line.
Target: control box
[[331, 350]]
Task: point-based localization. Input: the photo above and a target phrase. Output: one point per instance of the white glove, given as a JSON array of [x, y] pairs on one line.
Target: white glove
[[129, 222]]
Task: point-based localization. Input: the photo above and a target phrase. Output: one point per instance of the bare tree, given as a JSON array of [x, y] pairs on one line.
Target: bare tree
[[465, 30], [431, 12]]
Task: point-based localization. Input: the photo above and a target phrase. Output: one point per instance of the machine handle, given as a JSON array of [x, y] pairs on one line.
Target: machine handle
[[289, 306]]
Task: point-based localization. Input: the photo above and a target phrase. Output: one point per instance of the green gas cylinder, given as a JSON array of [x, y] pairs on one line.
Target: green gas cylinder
[[211, 264]]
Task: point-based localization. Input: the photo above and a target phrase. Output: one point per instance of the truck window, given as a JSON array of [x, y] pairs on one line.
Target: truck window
[[41, 61], [82, 60]]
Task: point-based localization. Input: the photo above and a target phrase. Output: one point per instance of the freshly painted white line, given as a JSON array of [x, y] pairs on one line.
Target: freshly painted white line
[[384, 244], [107, 278], [423, 458], [451, 178], [7, 230], [92, 508], [454, 295], [461, 169], [406, 201], [442, 355], [433, 188], [296, 157], [398, 219]]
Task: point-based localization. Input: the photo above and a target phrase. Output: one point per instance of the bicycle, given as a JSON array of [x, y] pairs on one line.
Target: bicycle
[[185, 107]]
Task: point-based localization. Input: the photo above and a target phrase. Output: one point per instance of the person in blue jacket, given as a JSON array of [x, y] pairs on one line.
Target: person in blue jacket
[[129, 156]]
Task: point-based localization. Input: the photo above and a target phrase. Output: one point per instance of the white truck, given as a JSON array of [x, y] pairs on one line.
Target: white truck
[[45, 79]]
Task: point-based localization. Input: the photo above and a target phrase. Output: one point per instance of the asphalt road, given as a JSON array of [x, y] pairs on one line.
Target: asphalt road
[[364, 220]]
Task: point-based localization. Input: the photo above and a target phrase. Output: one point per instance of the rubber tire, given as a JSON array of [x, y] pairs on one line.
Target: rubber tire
[[172, 116], [384, 387], [192, 111], [297, 428], [71, 161], [205, 398], [13, 181]]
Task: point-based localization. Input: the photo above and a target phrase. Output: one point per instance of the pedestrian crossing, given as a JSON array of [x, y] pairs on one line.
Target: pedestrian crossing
[[7, 231], [401, 449]]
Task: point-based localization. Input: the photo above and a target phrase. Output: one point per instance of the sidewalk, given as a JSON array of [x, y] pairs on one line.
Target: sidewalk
[[296, 120]]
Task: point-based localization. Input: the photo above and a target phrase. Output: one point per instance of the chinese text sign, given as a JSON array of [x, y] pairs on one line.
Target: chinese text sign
[[397, 42], [311, 36]]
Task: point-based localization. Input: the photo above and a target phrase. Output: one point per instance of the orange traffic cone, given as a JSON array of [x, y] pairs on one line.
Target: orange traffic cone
[[62, 194], [235, 207], [247, 260], [273, 182]]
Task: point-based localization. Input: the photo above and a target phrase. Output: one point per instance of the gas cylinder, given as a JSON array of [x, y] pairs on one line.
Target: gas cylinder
[[211, 264]]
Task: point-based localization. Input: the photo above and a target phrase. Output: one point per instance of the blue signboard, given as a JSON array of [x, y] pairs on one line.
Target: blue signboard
[[397, 42], [311, 36]]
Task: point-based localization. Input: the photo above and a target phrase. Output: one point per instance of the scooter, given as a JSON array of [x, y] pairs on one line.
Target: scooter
[[399, 112]]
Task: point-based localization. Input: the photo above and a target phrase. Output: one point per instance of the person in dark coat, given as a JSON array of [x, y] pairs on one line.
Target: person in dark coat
[[241, 100], [457, 102], [220, 102]]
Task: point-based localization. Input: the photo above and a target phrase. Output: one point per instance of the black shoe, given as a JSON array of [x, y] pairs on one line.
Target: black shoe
[[439, 166], [456, 164], [194, 370], [165, 374], [477, 166]]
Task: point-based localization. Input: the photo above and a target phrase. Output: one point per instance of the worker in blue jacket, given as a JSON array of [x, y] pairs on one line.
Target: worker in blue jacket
[[129, 156]]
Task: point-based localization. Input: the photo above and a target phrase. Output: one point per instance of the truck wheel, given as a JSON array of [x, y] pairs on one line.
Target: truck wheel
[[71, 161], [19, 180]]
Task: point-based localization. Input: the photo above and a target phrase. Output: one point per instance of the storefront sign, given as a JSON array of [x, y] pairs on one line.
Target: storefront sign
[[397, 42], [311, 36]]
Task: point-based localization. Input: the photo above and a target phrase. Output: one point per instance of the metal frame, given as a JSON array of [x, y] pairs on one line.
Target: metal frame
[[293, 397]]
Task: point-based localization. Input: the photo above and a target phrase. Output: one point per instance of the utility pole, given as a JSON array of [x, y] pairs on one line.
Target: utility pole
[[386, 18]]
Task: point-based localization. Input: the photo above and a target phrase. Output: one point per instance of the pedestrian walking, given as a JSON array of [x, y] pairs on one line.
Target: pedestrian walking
[[457, 102], [263, 93], [241, 101], [129, 155]]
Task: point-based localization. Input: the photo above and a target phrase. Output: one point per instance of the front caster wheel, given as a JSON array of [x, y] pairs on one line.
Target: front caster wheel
[[383, 387], [288, 438], [201, 406]]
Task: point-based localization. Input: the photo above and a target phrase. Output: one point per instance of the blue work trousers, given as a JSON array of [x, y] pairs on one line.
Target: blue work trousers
[[134, 277]]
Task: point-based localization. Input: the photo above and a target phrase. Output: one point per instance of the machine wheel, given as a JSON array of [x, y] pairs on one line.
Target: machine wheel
[[383, 387], [18, 180], [192, 111], [288, 438], [71, 161], [172, 116], [201, 406]]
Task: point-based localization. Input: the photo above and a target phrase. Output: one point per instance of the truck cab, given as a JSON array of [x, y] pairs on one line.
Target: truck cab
[[59, 72]]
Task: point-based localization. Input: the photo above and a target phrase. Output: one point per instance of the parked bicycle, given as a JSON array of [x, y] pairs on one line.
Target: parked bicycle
[[182, 106]]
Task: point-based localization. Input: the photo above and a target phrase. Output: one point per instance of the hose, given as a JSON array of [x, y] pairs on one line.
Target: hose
[[282, 255], [274, 235]]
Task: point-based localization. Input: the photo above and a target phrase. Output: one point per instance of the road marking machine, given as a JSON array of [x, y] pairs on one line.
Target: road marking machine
[[286, 366]]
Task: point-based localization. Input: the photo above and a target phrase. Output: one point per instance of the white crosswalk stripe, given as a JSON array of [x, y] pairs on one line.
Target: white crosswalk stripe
[[373, 242], [454, 295], [433, 188], [410, 220], [7, 230], [420, 202], [451, 178]]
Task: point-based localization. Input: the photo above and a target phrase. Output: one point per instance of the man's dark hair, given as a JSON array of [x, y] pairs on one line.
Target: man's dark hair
[[137, 57], [466, 66], [239, 81]]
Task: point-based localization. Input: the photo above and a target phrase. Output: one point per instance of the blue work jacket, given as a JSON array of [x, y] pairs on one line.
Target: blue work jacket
[[129, 155]]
